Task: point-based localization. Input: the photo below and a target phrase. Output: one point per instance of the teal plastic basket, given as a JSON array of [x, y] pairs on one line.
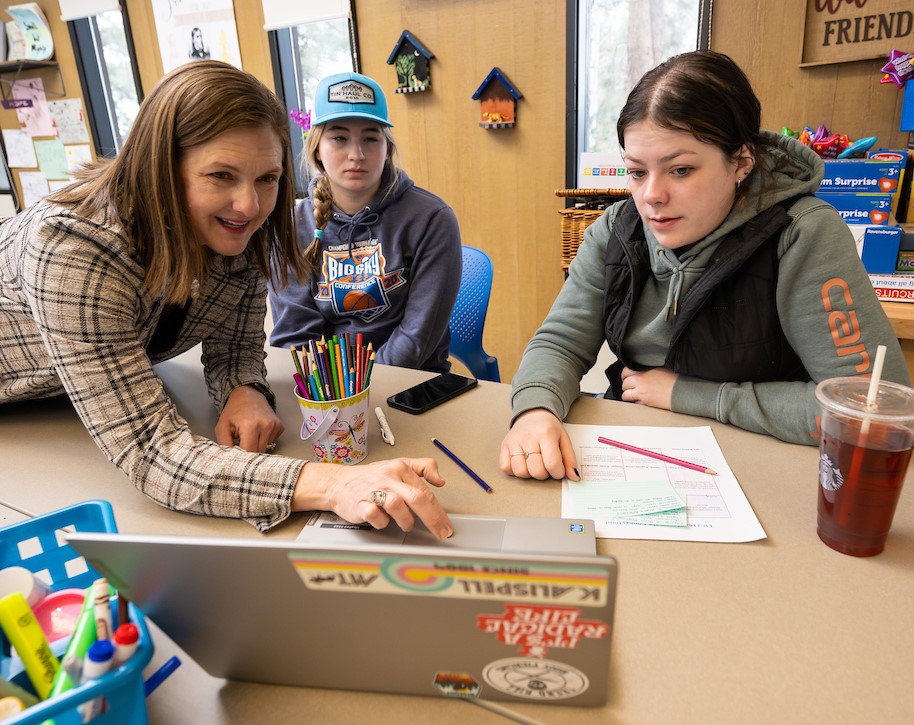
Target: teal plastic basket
[[40, 545]]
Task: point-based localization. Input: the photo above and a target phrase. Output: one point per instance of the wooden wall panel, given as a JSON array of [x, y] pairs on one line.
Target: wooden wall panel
[[500, 183]]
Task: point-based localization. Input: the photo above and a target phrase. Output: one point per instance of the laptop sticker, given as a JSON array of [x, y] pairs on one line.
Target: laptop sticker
[[457, 684], [535, 679], [451, 578], [535, 629]]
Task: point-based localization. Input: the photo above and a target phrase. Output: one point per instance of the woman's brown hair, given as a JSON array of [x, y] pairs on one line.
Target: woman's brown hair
[[192, 105]]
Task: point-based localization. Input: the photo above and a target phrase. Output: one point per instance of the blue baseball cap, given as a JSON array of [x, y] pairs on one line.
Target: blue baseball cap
[[349, 95]]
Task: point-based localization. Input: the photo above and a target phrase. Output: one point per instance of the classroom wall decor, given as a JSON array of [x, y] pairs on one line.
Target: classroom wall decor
[[411, 60], [838, 31], [497, 98], [196, 30]]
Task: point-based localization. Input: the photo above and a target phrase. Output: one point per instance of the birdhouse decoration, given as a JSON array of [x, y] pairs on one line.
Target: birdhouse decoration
[[411, 60], [497, 98]]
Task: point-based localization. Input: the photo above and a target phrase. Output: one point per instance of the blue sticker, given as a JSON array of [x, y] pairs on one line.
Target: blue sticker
[[576, 528]]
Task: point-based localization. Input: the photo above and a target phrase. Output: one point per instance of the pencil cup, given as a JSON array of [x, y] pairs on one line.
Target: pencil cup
[[336, 430], [864, 452]]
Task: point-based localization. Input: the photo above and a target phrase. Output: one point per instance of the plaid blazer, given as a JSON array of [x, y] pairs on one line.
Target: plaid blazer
[[75, 318]]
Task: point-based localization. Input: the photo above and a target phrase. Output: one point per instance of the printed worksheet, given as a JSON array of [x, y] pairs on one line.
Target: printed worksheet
[[630, 495]]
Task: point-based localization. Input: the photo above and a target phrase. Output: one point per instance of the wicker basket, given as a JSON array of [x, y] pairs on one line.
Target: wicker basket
[[591, 203]]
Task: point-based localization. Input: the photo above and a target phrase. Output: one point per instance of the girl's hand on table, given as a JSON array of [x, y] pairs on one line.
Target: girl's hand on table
[[537, 446]]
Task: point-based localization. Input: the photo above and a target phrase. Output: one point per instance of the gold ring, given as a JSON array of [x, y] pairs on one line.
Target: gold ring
[[532, 453], [271, 447], [518, 454]]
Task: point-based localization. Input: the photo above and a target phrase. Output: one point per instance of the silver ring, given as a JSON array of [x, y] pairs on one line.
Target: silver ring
[[271, 447], [378, 498]]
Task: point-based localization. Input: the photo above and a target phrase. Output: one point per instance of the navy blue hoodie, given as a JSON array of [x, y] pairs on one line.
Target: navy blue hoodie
[[391, 272]]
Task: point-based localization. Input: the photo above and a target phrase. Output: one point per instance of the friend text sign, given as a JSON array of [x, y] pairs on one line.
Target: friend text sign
[[837, 31]]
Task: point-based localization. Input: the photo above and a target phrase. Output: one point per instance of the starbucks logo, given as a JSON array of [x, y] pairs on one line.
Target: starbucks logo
[[830, 477]]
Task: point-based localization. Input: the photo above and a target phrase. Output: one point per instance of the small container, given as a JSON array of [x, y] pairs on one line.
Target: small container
[[43, 538]]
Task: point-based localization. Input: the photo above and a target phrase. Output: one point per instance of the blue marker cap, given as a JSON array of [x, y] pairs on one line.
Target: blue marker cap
[[101, 651]]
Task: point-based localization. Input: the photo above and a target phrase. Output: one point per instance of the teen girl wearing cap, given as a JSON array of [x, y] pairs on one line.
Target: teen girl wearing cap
[[387, 254], [723, 286]]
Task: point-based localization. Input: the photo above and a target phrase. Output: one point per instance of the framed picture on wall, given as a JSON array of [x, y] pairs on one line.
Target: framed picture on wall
[[196, 30]]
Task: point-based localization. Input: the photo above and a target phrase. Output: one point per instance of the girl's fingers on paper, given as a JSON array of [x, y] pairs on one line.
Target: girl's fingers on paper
[[569, 460]]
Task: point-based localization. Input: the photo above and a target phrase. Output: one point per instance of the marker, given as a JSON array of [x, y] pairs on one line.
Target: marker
[[25, 635], [20, 579], [101, 597], [387, 434], [98, 662], [82, 638], [160, 675], [126, 641], [485, 486], [658, 456]]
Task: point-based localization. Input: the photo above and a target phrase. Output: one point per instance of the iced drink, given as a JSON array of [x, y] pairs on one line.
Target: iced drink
[[863, 457]]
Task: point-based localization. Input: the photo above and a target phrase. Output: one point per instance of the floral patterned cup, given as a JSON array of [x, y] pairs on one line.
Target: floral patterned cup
[[336, 431]]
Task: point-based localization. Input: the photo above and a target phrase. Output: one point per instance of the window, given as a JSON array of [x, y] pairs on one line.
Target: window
[[614, 43], [106, 63], [302, 55]]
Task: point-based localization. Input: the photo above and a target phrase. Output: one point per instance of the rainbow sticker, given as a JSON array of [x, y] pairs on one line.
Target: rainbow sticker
[[452, 578]]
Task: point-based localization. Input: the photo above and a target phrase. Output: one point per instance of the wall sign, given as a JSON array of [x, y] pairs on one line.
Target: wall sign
[[838, 31]]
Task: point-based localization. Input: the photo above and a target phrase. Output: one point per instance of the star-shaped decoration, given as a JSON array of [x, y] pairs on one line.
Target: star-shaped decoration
[[899, 68]]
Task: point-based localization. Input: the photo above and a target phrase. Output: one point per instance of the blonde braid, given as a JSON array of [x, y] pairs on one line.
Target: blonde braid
[[322, 200]]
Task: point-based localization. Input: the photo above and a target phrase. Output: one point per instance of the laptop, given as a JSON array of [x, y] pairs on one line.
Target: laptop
[[387, 617]]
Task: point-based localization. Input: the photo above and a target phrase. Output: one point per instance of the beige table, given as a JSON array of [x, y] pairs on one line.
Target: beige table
[[782, 630]]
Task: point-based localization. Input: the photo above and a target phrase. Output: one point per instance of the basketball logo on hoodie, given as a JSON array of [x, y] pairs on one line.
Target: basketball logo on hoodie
[[356, 283]]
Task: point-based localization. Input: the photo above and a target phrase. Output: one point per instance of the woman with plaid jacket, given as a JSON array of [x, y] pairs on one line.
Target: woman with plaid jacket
[[166, 246]]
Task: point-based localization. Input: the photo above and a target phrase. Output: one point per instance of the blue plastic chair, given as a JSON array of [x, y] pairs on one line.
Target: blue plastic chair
[[469, 316]]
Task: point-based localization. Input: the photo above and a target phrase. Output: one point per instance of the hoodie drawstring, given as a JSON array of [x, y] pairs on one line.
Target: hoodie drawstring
[[363, 219], [674, 289]]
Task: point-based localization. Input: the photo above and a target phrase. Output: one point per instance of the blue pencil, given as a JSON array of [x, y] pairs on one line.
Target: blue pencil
[[486, 487]]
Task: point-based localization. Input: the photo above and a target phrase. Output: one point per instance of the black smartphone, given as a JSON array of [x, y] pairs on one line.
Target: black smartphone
[[427, 395]]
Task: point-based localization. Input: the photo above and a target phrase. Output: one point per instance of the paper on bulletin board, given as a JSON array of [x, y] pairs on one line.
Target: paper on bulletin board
[[35, 119], [195, 30], [67, 117], [34, 187], [52, 159], [77, 156], [20, 152]]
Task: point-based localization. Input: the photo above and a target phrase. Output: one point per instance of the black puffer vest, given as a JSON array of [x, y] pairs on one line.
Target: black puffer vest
[[727, 328]]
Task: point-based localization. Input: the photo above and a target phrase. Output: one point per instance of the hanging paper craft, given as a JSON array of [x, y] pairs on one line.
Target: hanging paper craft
[[411, 60], [32, 27]]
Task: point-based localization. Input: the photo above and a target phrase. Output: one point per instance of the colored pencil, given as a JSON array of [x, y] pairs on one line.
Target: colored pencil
[[658, 456], [469, 471], [370, 365], [296, 361]]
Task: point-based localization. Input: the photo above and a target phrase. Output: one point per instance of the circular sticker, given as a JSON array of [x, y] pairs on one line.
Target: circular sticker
[[535, 679]]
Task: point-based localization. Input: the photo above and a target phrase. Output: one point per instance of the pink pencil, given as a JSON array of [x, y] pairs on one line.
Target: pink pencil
[[658, 456]]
